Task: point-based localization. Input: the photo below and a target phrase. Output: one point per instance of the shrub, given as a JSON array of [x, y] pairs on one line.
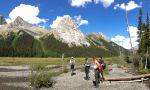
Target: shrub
[[126, 58], [40, 77], [38, 67], [136, 60], [65, 70]]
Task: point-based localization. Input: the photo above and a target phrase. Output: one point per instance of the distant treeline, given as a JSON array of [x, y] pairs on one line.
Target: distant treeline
[[21, 44]]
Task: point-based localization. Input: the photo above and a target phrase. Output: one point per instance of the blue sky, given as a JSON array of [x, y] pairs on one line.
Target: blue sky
[[106, 16]]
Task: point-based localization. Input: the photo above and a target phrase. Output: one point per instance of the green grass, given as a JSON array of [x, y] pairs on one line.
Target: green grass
[[30, 61], [20, 61], [116, 60], [55, 61]]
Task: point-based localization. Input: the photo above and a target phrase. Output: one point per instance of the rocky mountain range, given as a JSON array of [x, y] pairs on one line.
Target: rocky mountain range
[[20, 24], [65, 38]]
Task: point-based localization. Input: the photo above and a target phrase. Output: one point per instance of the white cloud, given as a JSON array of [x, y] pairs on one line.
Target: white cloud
[[82, 3], [106, 3], [42, 26], [28, 12], [125, 41], [116, 6], [130, 6], [8, 20], [133, 31], [80, 21], [58, 19], [79, 3], [118, 38]]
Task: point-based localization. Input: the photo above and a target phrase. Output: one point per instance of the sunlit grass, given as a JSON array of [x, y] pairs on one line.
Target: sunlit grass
[[55, 61]]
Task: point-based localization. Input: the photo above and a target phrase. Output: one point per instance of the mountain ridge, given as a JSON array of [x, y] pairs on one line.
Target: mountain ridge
[[65, 38]]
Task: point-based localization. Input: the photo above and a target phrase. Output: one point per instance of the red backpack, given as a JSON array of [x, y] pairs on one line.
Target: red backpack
[[99, 65]]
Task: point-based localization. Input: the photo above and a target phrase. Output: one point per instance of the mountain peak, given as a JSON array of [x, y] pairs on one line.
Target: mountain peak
[[99, 35], [68, 32], [19, 19], [19, 22], [67, 21]]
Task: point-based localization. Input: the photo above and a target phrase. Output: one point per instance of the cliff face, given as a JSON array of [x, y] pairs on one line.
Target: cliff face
[[68, 32]]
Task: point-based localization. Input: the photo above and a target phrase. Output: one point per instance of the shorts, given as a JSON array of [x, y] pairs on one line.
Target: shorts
[[72, 66]]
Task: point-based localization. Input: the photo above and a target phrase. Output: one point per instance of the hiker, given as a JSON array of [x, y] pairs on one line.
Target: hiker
[[72, 65], [87, 69], [101, 61], [96, 75], [97, 68]]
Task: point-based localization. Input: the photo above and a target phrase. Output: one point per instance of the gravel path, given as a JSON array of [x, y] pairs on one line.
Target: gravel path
[[14, 78], [77, 82]]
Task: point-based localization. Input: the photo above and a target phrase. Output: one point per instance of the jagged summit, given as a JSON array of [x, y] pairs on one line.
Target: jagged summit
[[20, 23], [67, 21], [2, 20], [99, 35], [67, 31]]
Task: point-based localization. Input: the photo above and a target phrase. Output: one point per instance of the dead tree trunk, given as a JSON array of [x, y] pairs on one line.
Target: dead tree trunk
[[128, 78]]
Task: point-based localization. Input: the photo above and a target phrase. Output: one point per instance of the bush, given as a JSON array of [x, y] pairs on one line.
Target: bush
[[126, 58], [40, 77], [65, 70], [136, 60], [38, 67]]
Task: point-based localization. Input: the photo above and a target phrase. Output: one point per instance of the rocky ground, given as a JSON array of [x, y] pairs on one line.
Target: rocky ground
[[77, 82], [14, 78]]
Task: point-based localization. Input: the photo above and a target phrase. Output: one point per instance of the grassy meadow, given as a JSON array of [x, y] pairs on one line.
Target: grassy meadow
[[55, 61]]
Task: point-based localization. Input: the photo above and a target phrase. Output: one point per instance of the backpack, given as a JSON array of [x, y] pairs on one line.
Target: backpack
[[104, 65], [99, 66]]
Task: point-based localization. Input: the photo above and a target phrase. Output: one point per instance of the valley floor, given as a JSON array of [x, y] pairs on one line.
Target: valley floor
[[14, 78]]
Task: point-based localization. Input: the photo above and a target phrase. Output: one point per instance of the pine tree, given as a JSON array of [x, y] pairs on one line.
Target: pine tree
[[145, 40], [147, 33], [140, 28]]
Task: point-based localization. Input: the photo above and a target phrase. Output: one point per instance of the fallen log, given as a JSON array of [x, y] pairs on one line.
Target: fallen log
[[138, 80], [128, 78]]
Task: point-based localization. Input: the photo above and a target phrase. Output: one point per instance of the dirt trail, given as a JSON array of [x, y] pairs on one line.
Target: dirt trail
[[16, 77], [77, 82], [12, 78]]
